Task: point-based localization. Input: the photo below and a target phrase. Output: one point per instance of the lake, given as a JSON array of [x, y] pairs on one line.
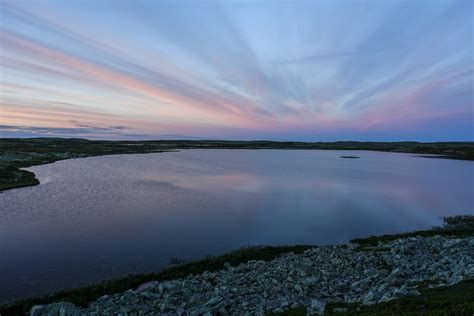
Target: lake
[[102, 217]]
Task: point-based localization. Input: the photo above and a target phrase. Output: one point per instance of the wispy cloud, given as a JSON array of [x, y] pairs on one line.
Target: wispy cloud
[[79, 131], [239, 70]]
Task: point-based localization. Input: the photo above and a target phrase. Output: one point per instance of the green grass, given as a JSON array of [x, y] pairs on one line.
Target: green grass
[[18, 153], [82, 296], [297, 311], [366, 248], [459, 297], [444, 301], [15, 178], [21, 153], [454, 226], [453, 300]]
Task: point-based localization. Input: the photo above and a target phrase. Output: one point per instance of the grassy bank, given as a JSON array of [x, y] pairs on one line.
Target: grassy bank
[[82, 296], [18, 153], [430, 299], [22, 153], [453, 300], [454, 226]]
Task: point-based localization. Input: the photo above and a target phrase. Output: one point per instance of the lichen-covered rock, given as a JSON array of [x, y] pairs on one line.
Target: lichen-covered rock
[[317, 276], [36, 310], [61, 309]]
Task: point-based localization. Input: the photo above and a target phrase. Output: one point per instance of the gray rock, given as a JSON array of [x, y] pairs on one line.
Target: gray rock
[[214, 301], [36, 310], [402, 291], [61, 309], [385, 298], [326, 273], [318, 306], [414, 292], [148, 286]]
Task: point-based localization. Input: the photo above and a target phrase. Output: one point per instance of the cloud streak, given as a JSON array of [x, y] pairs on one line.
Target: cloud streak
[[80, 131], [308, 70]]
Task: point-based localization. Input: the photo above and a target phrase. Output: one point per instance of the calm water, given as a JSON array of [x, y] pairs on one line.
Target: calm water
[[101, 217]]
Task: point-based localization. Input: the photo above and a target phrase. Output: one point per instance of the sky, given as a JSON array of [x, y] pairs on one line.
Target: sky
[[280, 70]]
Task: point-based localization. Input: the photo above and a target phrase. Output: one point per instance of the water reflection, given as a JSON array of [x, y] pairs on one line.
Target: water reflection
[[106, 216]]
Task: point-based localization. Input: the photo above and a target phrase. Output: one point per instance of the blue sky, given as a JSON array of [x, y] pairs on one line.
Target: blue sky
[[283, 70]]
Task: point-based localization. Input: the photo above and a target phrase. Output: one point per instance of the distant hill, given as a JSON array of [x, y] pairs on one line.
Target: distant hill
[[177, 137]]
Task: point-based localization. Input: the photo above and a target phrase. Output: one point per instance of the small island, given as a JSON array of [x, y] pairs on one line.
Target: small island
[[350, 157], [17, 153]]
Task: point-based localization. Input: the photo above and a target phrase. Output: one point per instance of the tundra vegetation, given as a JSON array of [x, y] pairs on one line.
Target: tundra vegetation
[[17, 153], [457, 298]]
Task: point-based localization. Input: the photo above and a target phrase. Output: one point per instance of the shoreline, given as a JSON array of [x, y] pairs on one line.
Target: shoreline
[[23, 153], [459, 229]]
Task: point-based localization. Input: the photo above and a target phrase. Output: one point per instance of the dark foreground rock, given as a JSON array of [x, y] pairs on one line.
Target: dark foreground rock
[[343, 273]]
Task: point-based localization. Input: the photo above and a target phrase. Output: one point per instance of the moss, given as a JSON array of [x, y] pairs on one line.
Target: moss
[[18, 153], [82, 296], [439, 301], [298, 311], [17, 178], [372, 249], [453, 300], [454, 226]]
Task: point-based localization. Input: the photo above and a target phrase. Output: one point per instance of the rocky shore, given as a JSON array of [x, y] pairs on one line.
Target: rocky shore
[[344, 273]]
